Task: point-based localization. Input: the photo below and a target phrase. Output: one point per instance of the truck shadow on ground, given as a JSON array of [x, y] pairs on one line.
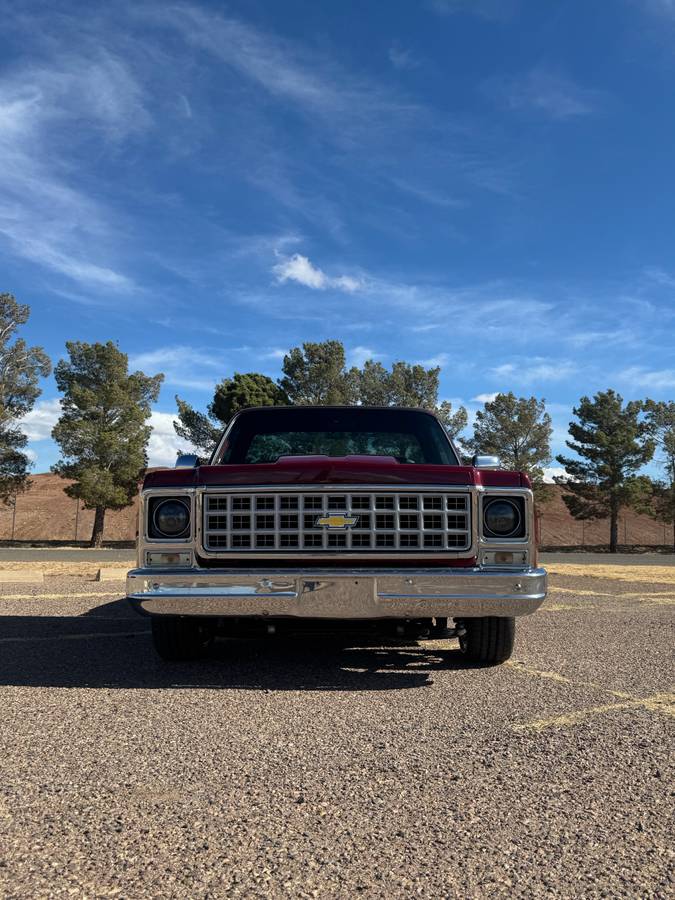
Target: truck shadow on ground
[[110, 647]]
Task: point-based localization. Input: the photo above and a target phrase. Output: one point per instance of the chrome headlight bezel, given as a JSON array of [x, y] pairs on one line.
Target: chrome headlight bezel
[[518, 528], [156, 532]]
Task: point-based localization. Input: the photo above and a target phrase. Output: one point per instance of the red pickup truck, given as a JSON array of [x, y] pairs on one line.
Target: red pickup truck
[[334, 515]]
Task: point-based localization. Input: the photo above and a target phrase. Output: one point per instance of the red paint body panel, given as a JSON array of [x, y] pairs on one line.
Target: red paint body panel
[[333, 470]]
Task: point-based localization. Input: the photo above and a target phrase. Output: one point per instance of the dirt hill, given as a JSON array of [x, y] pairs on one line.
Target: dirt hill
[[45, 513], [559, 529]]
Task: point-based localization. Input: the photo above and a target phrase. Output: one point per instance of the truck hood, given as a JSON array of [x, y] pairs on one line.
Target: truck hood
[[333, 470]]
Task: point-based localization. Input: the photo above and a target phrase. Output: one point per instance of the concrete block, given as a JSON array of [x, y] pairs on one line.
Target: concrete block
[[112, 574], [21, 576]]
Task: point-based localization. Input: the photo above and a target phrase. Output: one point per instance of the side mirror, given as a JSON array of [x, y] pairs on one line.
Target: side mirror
[[187, 461], [486, 462]]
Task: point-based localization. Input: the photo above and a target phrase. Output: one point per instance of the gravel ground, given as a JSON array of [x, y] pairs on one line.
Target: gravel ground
[[317, 768]]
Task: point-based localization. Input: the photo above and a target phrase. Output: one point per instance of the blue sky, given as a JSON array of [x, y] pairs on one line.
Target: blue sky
[[486, 186]]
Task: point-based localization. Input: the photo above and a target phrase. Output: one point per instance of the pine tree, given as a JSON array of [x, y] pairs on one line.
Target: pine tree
[[405, 385], [20, 369], [453, 422], [613, 443], [232, 394], [244, 391], [660, 418], [315, 374], [518, 431], [102, 431]]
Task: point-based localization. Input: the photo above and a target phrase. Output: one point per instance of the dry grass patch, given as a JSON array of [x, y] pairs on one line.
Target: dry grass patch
[[74, 567], [645, 574]]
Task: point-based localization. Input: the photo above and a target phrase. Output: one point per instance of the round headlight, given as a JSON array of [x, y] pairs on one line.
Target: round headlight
[[171, 518], [502, 517]]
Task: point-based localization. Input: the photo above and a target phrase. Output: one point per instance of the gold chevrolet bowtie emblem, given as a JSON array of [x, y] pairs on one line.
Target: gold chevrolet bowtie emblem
[[336, 521]]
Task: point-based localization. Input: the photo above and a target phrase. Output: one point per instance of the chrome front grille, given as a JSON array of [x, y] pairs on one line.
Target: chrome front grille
[[350, 521]]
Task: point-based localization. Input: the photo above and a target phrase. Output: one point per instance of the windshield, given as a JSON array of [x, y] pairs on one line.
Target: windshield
[[264, 436]]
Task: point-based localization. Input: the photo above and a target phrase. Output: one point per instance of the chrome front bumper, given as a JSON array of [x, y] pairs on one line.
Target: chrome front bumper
[[337, 593]]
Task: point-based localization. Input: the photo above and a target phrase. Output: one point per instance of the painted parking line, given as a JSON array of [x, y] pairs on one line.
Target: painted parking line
[[659, 703], [89, 594], [658, 598], [562, 607], [73, 637], [562, 679], [579, 592], [584, 592], [663, 703], [657, 601]]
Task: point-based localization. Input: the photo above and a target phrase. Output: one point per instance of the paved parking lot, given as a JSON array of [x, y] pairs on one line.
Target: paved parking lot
[[318, 768]]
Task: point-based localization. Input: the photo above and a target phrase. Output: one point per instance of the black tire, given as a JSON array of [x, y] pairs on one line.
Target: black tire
[[178, 639], [487, 641]]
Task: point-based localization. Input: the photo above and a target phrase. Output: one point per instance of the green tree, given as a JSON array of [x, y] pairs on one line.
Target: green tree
[[315, 374], [20, 369], [197, 428], [518, 431], [232, 394], [453, 422], [102, 431], [405, 385], [660, 418], [371, 384], [612, 442], [243, 391], [413, 385]]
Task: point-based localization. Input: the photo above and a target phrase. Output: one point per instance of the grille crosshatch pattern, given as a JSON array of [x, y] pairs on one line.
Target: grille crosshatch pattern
[[384, 521]]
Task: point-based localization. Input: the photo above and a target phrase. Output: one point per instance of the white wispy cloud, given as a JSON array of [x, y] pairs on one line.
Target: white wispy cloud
[[260, 245], [659, 276], [493, 10], [582, 339], [102, 84], [357, 356], [421, 329], [309, 81], [400, 58], [38, 423], [484, 398], [427, 194], [45, 110], [423, 307], [274, 353], [656, 379], [298, 268], [532, 371], [548, 93], [432, 362], [183, 366], [372, 124], [663, 8]]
